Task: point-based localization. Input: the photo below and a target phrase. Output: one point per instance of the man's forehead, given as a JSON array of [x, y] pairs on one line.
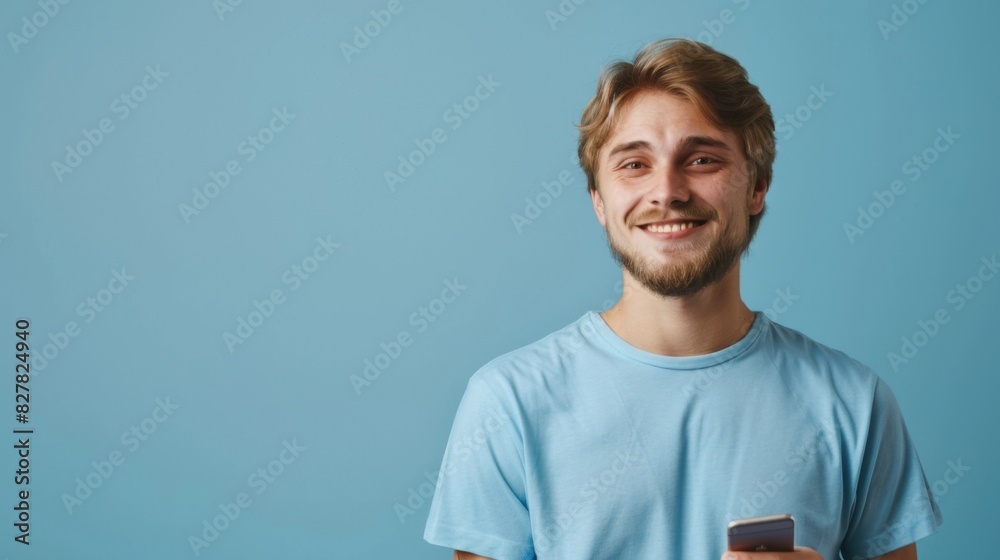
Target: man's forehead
[[654, 117]]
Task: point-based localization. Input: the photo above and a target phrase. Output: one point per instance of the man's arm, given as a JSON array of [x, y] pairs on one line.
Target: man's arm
[[459, 555], [908, 552], [480, 501]]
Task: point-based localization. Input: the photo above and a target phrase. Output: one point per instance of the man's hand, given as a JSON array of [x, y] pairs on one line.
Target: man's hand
[[461, 555], [908, 552], [801, 553]]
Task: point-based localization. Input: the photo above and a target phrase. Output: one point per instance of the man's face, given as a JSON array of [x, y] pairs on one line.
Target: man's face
[[674, 195]]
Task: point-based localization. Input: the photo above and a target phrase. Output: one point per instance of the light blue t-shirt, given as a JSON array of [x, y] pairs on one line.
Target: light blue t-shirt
[[582, 446]]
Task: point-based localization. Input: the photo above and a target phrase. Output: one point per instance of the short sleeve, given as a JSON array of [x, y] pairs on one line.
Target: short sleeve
[[893, 505], [479, 503]]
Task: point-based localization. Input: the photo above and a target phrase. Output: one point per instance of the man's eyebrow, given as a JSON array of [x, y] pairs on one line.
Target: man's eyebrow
[[629, 146], [687, 143], [707, 141]]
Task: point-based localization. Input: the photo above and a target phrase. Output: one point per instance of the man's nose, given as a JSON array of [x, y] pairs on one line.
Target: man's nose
[[668, 185]]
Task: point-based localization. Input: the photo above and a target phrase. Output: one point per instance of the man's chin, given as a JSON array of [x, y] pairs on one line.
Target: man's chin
[[673, 287], [676, 277], [673, 279]]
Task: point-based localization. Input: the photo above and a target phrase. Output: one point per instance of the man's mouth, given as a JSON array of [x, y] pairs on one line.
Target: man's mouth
[[672, 226]]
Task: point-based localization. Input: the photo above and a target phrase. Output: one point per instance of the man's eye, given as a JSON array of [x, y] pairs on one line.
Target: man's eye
[[632, 165], [704, 160]]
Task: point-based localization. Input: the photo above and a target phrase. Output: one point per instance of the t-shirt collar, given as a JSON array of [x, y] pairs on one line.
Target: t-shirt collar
[[677, 362]]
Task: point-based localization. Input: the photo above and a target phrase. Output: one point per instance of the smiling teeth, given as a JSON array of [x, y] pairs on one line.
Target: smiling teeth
[[667, 228]]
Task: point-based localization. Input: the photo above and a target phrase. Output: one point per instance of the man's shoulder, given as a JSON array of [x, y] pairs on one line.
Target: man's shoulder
[[541, 357], [791, 346]]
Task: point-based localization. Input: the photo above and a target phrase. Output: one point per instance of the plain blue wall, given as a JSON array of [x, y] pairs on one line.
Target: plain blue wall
[[213, 78]]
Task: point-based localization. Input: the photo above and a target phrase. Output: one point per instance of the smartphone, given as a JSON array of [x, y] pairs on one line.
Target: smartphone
[[772, 533]]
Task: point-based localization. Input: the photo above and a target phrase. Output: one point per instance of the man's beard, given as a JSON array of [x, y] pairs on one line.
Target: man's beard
[[695, 272]]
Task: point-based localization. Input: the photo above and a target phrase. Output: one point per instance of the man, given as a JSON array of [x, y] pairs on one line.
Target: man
[[642, 431]]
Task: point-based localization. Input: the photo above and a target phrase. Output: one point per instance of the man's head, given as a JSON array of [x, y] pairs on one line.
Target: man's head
[[678, 135]]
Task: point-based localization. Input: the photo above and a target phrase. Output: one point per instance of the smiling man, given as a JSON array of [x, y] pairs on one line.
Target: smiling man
[[642, 431]]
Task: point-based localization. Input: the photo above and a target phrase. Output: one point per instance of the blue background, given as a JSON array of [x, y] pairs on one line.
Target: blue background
[[368, 447]]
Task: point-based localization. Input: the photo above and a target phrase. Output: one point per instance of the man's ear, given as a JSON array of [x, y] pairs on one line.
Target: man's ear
[[757, 197], [598, 207]]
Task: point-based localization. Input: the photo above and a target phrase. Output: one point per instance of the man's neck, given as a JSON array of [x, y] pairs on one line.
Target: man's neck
[[702, 323]]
